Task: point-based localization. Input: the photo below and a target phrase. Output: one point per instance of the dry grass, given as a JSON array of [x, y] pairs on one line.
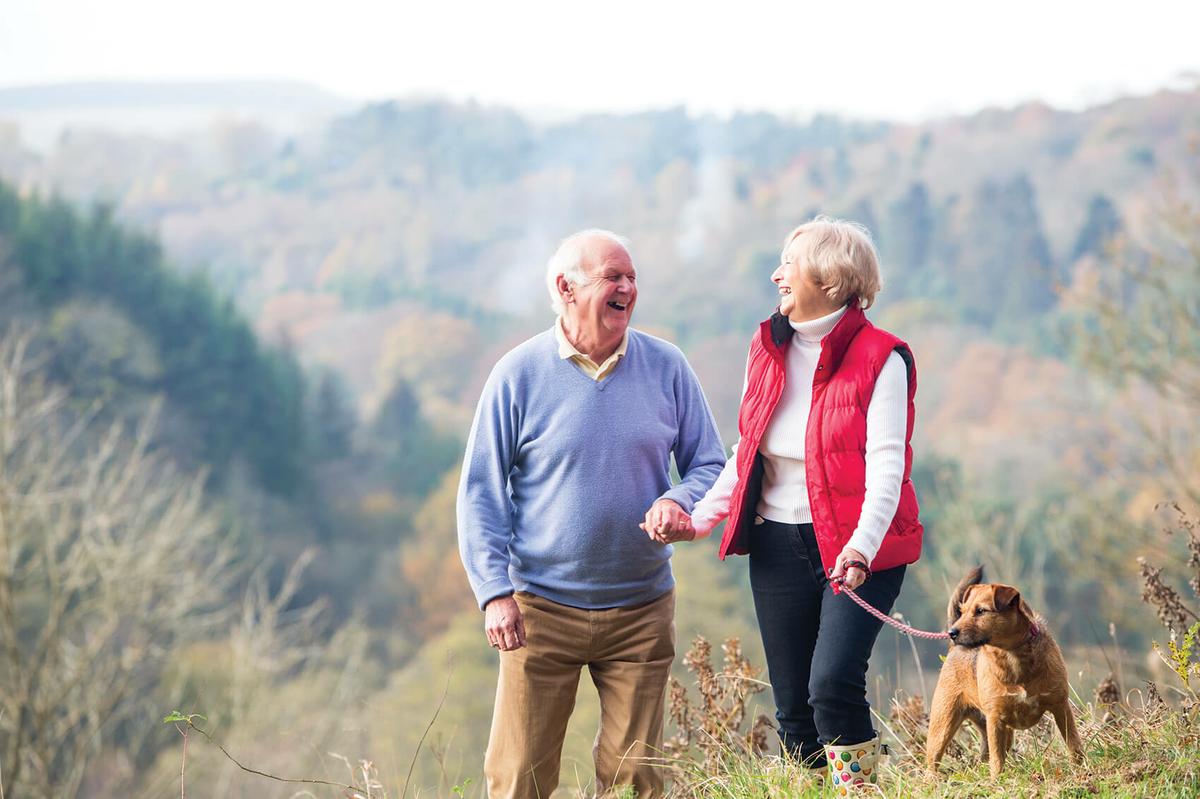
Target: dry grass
[[1138, 747], [713, 724], [1137, 743]]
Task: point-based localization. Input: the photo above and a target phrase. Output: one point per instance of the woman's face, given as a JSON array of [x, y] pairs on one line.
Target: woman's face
[[799, 297]]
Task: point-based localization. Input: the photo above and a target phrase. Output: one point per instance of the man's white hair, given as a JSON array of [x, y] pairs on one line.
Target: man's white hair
[[568, 261]]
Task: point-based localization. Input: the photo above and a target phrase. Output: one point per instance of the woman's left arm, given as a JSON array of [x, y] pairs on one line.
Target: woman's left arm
[[887, 425]]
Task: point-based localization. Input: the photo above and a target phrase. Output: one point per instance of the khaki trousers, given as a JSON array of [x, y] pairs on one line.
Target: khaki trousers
[[628, 652]]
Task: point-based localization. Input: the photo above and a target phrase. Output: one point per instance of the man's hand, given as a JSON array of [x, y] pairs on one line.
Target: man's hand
[[667, 523], [503, 624], [853, 577]]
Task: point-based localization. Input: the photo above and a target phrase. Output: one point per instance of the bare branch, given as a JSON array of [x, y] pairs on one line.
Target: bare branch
[[192, 725]]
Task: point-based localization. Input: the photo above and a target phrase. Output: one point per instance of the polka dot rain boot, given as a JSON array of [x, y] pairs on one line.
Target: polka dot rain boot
[[852, 768]]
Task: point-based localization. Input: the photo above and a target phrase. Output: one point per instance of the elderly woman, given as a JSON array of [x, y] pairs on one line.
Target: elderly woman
[[817, 491]]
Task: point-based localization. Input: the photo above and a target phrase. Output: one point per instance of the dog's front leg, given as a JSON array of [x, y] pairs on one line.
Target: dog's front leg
[[945, 716], [999, 737], [1065, 719]]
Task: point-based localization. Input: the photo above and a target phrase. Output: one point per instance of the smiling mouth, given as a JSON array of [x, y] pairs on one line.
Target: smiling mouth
[[618, 306], [785, 291]]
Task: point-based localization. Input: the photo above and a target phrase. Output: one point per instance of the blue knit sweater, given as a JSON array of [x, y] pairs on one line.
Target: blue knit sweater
[[561, 468]]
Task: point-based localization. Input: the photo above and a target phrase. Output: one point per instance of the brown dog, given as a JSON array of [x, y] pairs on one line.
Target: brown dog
[[1003, 673]]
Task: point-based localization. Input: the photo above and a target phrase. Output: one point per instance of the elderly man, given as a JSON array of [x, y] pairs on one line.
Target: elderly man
[[572, 442]]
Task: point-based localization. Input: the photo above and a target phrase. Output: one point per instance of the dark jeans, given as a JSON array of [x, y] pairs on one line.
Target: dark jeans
[[817, 643]]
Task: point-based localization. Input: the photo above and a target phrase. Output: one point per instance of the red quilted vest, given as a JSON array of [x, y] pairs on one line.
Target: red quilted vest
[[852, 356]]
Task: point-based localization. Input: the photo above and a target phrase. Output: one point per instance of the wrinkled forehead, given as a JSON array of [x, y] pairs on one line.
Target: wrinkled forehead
[[604, 255]]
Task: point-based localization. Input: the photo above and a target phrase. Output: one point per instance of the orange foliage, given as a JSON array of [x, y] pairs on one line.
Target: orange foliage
[[430, 566]]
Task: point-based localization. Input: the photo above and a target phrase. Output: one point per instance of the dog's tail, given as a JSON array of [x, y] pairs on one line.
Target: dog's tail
[[974, 577]]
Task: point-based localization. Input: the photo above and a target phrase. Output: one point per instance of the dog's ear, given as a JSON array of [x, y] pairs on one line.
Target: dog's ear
[[1007, 597], [954, 609]]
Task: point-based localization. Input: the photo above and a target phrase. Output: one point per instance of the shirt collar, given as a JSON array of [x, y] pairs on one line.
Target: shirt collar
[[567, 350]]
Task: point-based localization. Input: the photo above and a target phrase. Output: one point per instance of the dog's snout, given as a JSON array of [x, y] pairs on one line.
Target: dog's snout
[[953, 633]]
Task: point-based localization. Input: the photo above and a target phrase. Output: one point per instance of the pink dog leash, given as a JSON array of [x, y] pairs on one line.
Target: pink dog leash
[[840, 588]]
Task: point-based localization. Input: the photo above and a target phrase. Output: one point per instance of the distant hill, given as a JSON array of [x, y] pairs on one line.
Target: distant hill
[[267, 95], [43, 112], [408, 235]]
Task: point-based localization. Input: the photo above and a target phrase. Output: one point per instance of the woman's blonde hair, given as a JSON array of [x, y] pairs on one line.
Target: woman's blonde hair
[[840, 257]]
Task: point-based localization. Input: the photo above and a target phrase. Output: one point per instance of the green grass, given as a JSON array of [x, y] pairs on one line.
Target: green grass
[[1128, 756]]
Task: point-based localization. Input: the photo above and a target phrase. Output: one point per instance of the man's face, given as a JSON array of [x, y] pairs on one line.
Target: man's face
[[602, 305]]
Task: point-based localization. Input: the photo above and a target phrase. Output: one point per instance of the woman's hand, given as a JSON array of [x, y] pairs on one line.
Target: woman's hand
[[853, 577], [668, 523], [682, 530]]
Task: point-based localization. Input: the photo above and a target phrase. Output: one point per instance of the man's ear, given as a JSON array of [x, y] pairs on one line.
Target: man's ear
[[1007, 597], [564, 286]]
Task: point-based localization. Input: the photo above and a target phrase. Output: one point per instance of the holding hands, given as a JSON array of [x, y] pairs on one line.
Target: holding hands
[[668, 523]]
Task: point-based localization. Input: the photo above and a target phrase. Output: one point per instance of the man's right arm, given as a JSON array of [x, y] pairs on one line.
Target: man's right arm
[[483, 508]]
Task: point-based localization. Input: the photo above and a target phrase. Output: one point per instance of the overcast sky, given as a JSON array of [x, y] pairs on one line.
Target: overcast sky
[[897, 60]]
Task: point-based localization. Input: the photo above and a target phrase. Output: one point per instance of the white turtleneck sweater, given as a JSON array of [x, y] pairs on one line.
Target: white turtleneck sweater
[[784, 495]]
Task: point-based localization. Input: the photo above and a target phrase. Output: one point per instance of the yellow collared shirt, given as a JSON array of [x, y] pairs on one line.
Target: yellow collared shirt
[[589, 367]]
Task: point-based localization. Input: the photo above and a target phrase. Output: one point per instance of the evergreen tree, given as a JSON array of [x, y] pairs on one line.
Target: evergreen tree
[[907, 241], [1005, 270], [242, 400], [1099, 226], [332, 417], [413, 452]]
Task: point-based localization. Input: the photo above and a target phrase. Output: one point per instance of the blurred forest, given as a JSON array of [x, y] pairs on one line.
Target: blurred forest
[[237, 368]]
